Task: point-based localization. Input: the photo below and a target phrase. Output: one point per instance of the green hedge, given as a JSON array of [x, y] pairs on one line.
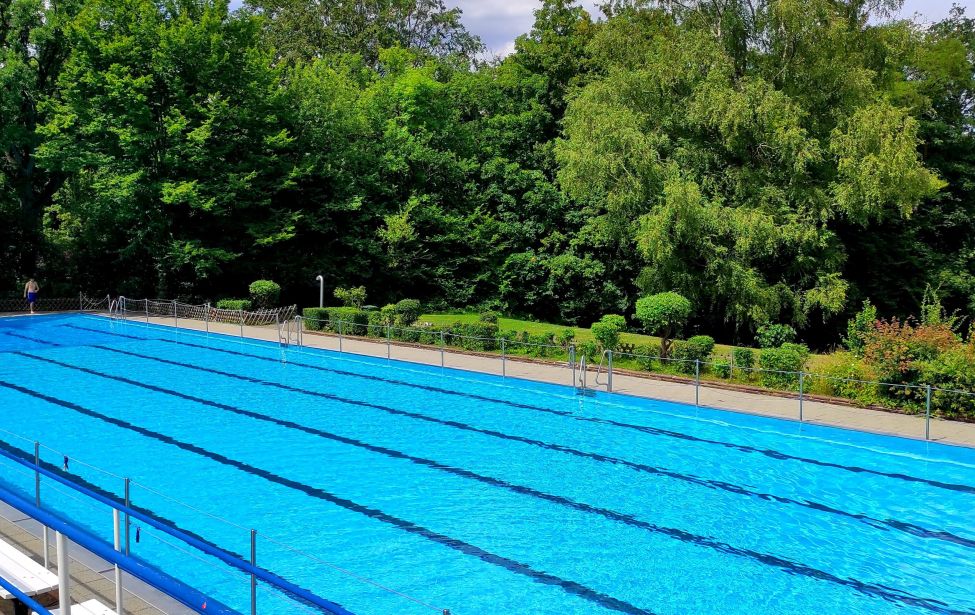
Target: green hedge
[[265, 293], [234, 304], [327, 319]]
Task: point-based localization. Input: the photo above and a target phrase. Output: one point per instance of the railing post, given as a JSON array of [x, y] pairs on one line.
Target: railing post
[[442, 344], [697, 382], [253, 576], [609, 372], [128, 522], [37, 498], [802, 390], [572, 362], [175, 315], [147, 311], [731, 365], [241, 311], [504, 360], [340, 336], [206, 315], [81, 302], [118, 571], [927, 414], [64, 592], [388, 349]]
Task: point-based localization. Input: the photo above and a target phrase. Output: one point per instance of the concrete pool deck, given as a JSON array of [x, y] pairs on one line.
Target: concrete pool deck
[[646, 385]]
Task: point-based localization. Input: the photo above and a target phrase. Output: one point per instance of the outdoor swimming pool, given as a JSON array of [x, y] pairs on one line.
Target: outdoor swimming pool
[[475, 493]]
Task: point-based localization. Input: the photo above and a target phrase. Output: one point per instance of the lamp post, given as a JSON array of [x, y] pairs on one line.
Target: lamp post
[[321, 291]]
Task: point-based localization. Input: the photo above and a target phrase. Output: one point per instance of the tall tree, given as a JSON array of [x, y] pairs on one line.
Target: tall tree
[[308, 29], [33, 49]]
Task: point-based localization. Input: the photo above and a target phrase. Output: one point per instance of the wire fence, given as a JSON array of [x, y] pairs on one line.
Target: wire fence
[[81, 303], [71, 479]]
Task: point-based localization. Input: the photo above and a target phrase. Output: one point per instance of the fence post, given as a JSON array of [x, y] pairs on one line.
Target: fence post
[[388, 352], [609, 372], [697, 382], [206, 316], [927, 414], [37, 497], [81, 302], [802, 390], [241, 313], [731, 365], [572, 362], [64, 593], [253, 577], [147, 311], [128, 522], [504, 361], [118, 571], [442, 344], [175, 315], [340, 336]]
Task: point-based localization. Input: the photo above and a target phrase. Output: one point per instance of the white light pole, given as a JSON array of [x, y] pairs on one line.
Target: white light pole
[[321, 291]]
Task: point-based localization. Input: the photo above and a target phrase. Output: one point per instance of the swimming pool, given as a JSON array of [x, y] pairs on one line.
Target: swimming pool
[[479, 494]]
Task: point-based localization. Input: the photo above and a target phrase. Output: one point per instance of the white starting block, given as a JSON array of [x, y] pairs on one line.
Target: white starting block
[[24, 573]]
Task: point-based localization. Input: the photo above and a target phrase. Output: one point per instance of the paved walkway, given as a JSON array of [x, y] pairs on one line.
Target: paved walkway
[[642, 385], [90, 576]]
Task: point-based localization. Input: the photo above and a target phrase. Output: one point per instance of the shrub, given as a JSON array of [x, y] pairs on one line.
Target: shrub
[[590, 350], [351, 297], [407, 312], [743, 358], [234, 304], [489, 316], [859, 327], [564, 337], [773, 336], [721, 367], [474, 335], [953, 370], [316, 319], [354, 321], [845, 375], [896, 350], [265, 293], [607, 331], [785, 358], [663, 314], [698, 348], [645, 357]]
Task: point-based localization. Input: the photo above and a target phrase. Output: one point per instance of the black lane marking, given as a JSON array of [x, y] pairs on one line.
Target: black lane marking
[[783, 564], [511, 565], [881, 524], [642, 428]]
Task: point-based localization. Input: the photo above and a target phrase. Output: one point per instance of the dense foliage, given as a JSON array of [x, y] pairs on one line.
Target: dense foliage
[[773, 161]]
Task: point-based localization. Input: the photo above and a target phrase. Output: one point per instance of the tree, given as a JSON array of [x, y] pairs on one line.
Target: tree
[[303, 30], [663, 314]]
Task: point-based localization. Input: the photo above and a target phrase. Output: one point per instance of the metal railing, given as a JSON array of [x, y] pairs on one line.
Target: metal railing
[[126, 514], [801, 385]]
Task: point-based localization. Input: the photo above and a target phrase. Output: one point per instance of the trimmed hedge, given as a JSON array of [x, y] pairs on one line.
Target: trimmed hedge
[[327, 319], [265, 293], [234, 304], [697, 348]]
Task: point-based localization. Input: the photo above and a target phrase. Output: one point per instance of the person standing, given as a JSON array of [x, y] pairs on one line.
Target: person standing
[[30, 293]]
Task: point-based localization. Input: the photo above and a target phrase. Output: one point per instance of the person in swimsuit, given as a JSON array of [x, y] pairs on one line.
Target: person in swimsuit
[[30, 293]]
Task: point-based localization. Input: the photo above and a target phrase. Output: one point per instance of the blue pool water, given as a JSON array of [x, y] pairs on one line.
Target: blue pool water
[[475, 493]]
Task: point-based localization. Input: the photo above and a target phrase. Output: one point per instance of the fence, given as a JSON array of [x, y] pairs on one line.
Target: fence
[[51, 481], [81, 303]]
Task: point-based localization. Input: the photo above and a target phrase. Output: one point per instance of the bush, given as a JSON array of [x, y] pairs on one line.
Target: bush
[[564, 337], [489, 317], [743, 358], [663, 314], [234, 304], [845, 376], [773, 336], [265, 293], [351, 297], [316, 319], [407, 312], [607, 331], [897, 350], [953, 370], [859, 327], [786, 358], [354, 321], [486, 335], [721, 367], [590, 350], [698, 348]]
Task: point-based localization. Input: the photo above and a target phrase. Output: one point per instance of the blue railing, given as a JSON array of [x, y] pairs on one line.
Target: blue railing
[[189, 597]]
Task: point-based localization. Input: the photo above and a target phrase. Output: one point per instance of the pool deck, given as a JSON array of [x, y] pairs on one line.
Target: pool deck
[[648, 385], [91, 576]]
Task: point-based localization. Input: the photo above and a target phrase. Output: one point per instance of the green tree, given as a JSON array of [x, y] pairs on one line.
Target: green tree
[[663, 314]]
